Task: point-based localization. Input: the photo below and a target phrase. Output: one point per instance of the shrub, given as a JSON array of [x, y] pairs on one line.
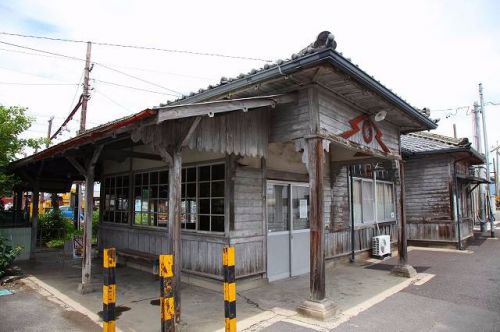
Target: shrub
[[53, 226], [55, 244], [7, 255]]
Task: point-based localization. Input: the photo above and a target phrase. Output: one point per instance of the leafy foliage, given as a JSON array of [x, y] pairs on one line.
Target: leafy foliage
[[13, 122], [53, 226], [7, 255]]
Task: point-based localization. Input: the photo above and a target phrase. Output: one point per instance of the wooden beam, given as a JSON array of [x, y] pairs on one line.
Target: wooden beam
[[221, 106], [190, 132], [174, 224], [315, 163], [86, 285], [403, 244], [78, 167], [34, 217]]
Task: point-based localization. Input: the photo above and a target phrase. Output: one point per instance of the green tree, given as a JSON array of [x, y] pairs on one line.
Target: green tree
[[13, 122]]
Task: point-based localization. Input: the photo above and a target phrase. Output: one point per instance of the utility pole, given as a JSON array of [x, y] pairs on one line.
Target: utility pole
[[86, 95], [479, 147], [487, 156], [83, 121], [455, 130], [49, 132]]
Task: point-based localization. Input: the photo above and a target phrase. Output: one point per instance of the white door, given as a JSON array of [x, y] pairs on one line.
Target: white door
[[288, 230]]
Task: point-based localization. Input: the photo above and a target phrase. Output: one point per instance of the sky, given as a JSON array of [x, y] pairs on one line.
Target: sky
[[432, 53]]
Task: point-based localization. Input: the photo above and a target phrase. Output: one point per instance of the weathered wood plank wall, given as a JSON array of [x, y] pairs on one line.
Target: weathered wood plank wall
[[335, 115]]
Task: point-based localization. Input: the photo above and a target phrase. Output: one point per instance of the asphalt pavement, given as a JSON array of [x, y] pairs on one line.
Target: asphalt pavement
[[464, 294], [28, 310]]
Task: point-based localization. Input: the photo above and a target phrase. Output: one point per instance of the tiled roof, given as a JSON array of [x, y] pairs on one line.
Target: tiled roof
[[423, 142], [325, 40]]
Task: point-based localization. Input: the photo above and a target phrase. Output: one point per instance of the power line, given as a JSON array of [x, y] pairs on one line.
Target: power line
[[134, 88], [138, 47], [113, 101], [35, 84], [119, 66], [96, 63], [138, 78]]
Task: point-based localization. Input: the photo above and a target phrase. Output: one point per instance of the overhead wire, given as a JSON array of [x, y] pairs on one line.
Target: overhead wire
[[138, 47], [96, 63], [133, 88]]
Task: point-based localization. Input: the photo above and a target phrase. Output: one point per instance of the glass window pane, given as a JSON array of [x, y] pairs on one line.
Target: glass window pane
[[153, 191], [138, 180], [191, 174], [218, 189], [118, 181], [204, 224], [137, 219], [277, 207], [204, 206], [368, 206], [184, 177], [164, 177], [191, 190], [125, 181], [380, 202], [356, 191], [162, 212], [204, 189], [163, 192], [217, 224], [217, 206], [204, 173], [153, 178], [218, 172], [389, 203], [300, 205]]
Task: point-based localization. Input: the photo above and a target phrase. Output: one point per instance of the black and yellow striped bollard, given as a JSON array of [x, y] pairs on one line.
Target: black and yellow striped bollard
[[229, 289], [167, 308], [109, 290]]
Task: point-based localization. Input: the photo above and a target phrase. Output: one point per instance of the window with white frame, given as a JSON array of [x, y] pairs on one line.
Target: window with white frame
[[373, 201]]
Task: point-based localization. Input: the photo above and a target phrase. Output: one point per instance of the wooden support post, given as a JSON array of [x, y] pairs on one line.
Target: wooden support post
[[109, 290], [228, 263], [174, 224], [317, 306], [403, 269], [316, 160], [18, 206], [89, 173], [167, 302], [34, 217]]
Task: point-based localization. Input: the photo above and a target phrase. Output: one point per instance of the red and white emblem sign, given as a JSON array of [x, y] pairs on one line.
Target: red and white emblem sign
[[368, 129]]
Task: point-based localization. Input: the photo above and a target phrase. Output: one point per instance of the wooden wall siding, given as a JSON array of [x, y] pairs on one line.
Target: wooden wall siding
[[248, 203], [336, 114], [201, 254], [249, 256], [241, 133], [432, 232], [289, 122], [467, 227], [339, 200], [339, 242], [427, 184]]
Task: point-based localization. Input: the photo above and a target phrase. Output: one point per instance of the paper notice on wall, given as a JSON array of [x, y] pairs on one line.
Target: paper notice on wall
[[303, 209]]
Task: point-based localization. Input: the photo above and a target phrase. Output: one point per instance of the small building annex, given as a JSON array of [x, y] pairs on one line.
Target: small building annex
[[259, 162], [440, 183]]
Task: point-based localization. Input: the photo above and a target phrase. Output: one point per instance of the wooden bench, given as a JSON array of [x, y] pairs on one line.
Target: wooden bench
[[139, 260]]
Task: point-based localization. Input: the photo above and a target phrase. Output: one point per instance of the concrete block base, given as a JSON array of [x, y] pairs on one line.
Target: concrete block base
[[405, 271], [321, 310], [86, 288]]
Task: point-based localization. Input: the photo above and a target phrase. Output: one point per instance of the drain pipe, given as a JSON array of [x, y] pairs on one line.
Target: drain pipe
[[351, 209]]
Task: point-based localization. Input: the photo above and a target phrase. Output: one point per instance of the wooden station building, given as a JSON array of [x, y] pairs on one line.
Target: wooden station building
[[260, 162], [440, 183]]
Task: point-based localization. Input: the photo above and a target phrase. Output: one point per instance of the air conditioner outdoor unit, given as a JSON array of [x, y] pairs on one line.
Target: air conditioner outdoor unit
[[381, 246]]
